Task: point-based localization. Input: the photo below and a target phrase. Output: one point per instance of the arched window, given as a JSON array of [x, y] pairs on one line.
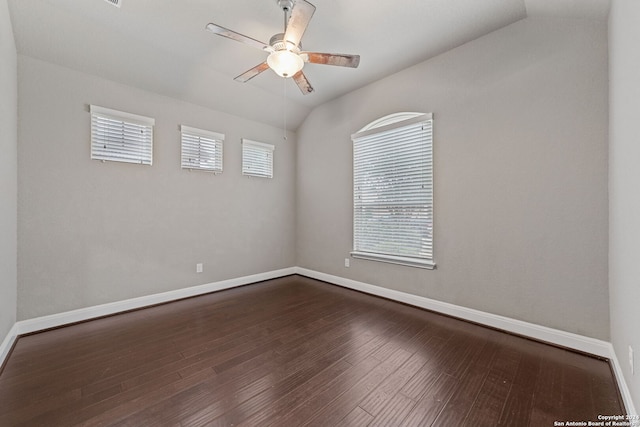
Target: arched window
[[393, 190]]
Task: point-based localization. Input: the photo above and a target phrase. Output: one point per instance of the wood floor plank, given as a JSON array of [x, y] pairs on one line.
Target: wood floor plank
[[356, 418], [488, 406], [547, 395], [603, 391], [469, 386], [394, 411], [378, 398], [345, 402], [295, 351], [295, 397], [321, 397], [290, 378], [432, 402], [517, 408], [428, 373]]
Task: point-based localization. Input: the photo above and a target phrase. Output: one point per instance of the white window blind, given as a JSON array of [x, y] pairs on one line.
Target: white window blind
[[121, 137], [393, 190], [201, 149], [257, 159]]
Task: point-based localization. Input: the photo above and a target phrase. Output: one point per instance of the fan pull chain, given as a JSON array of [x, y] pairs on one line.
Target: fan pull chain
[[284, 108]]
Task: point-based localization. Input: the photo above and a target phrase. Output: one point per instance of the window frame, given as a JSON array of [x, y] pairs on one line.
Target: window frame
[[214, 139], [257, 146], [128, 120], [378, 128]]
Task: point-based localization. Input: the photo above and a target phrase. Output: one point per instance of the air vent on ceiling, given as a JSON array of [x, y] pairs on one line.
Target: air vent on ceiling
[[115, 3]]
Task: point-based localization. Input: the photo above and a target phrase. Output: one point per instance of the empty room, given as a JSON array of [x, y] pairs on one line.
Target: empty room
[[291, 212]]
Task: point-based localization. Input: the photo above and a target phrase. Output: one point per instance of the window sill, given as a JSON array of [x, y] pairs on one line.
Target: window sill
[[410, 262]]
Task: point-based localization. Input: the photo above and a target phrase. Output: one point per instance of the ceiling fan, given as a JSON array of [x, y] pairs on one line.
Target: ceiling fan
[[285, 55]]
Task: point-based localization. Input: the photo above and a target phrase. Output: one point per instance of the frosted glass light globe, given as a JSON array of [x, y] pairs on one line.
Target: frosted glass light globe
[[285, 63]]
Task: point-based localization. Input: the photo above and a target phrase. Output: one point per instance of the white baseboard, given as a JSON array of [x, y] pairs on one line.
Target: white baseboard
[[56, 320], [622, 384], [531, 330], [7, 343]]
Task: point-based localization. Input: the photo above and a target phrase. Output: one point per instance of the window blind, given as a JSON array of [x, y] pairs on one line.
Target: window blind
[[121, 137], [393, 192], [201, 149], [257, 159]]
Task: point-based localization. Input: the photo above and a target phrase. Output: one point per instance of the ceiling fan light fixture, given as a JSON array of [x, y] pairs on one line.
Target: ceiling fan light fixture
[[285, 63], [286, 57]]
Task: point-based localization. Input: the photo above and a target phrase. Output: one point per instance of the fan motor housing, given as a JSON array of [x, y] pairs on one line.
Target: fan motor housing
[[277, 42]]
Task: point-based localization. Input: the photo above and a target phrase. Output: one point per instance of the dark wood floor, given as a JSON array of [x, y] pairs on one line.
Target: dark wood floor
[[290, 352]]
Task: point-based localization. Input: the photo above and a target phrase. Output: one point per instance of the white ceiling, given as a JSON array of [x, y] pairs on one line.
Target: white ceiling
[[162, 46]]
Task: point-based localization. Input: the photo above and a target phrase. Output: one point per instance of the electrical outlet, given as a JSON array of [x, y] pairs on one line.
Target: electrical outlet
[[199, 268], [631, 359], [347, 262]]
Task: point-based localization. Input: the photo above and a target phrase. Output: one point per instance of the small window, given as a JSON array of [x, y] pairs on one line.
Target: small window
[[393, 190], [121, 137], [201, 149], [257, 159]]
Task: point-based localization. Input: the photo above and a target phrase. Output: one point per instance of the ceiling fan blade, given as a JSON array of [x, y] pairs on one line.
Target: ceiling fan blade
[[225, 32], [303, 83], [300, 16], [249, 74], [339, 59]]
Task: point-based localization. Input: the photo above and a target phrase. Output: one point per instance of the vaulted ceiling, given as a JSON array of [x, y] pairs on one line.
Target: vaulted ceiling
[[162, 45]]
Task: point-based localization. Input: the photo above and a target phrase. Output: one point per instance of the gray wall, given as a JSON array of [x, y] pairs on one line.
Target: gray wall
[[8, 172], [520, 147], [91, 232], [624, 187], [521, 186]]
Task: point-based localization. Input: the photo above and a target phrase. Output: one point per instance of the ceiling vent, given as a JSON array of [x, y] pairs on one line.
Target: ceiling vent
[[116, 3]]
